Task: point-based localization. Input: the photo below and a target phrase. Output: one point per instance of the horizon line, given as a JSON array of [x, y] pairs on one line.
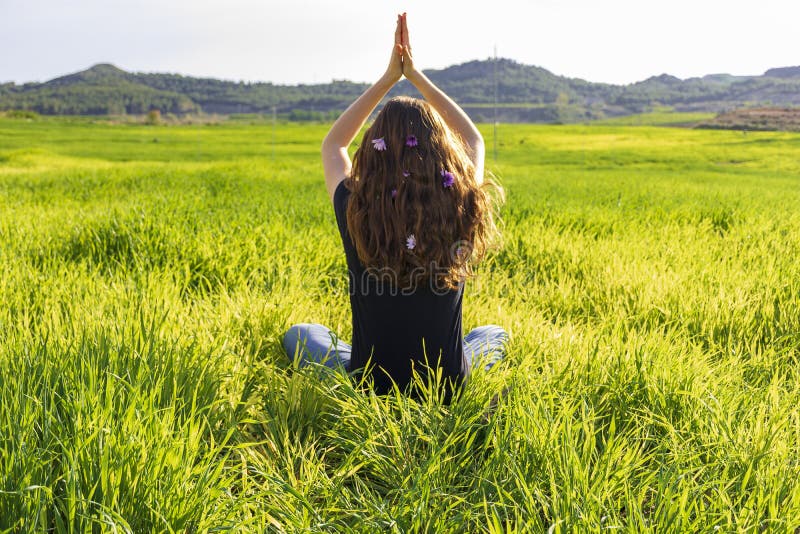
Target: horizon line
[[334, 80]]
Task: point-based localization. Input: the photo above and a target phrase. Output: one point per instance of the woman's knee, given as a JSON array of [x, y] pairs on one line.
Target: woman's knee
[[489, 333], [492, 330], [294, 336]]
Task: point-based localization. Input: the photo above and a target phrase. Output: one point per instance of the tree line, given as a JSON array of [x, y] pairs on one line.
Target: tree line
[[524, 93]]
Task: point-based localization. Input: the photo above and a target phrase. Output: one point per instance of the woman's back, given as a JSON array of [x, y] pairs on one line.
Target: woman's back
[[399, 327]]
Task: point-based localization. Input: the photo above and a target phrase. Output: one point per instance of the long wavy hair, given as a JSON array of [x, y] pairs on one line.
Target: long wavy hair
[[415, 206]]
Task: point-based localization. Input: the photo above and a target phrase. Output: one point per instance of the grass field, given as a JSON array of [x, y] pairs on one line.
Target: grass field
[[648, 276]]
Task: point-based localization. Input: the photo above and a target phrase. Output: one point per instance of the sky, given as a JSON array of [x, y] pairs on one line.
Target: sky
[[316, 41]]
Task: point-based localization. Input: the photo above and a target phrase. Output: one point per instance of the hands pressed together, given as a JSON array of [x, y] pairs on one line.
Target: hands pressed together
[[335, 159], [401, 63]]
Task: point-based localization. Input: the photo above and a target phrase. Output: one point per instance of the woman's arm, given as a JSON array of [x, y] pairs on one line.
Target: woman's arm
[[335, 159], [453, 115]]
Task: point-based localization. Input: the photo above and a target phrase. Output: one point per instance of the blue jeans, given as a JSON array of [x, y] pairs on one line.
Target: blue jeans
[[315, 343]]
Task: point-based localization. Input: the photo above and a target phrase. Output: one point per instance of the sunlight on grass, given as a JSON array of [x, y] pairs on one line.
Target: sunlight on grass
[[648, 277]]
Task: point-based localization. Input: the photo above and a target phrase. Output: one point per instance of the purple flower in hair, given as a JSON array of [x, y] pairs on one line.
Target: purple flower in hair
[[406, 174], [447, 178], [411, 141], [411, 242], [379, 144], [394, 193]]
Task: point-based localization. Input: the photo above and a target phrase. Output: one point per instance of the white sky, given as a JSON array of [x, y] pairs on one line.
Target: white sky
[[314, 41]]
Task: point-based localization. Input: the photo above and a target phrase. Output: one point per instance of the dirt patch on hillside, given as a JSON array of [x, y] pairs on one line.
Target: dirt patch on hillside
[[762, 119]]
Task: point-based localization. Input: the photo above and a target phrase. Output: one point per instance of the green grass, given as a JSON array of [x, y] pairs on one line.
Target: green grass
[[648, 276], [658, 118]]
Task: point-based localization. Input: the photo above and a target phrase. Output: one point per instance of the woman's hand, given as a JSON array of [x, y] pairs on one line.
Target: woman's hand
[[452, 114], [395, 69], [408, 61]]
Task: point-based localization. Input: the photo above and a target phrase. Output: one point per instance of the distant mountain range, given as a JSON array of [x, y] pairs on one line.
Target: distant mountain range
[[524, 93]]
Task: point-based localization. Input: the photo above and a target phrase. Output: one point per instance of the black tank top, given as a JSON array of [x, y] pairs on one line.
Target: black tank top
[[398, 330]]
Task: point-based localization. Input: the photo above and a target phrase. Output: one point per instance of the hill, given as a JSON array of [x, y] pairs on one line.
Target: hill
[[101, 90], [525, 93]]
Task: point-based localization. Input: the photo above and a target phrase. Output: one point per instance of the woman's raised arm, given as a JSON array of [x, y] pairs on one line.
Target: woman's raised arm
[[335, 159], [453, 115]]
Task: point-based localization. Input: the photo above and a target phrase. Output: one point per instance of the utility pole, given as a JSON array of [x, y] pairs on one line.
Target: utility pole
[[274, 123], [494, 77]]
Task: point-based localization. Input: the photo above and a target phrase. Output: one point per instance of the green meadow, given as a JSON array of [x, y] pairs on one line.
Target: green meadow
[[649, 278]]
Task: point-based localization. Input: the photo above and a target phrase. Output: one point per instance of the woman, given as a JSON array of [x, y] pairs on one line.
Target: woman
[[413, 211]]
